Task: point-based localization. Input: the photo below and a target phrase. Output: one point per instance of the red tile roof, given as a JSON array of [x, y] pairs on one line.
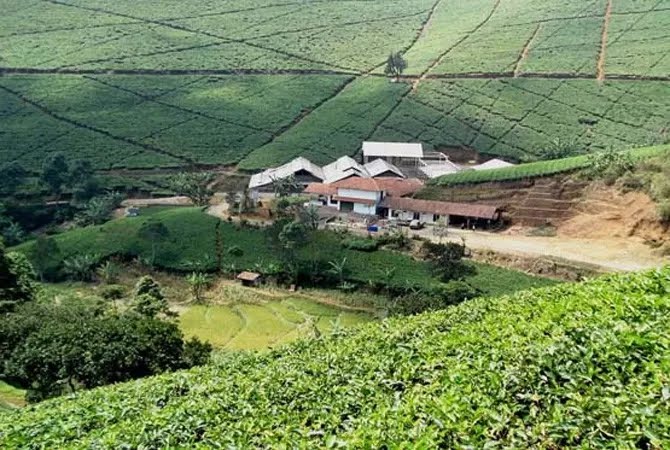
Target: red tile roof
[[320, 189], [442, 208], [396, 187], [364, 201]]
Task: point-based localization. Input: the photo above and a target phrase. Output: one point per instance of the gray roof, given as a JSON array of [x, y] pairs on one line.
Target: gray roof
[[271, 175], [343, 168], [380, 166], [393, 149]]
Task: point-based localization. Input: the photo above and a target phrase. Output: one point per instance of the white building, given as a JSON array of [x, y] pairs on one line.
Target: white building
[[393, 152], [302, 169]]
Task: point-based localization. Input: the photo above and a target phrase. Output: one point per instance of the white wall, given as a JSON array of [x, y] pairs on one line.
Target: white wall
[[355, 193], [368, 210]]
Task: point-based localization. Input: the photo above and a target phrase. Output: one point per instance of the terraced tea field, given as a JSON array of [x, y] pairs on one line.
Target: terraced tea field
[[258, 82]]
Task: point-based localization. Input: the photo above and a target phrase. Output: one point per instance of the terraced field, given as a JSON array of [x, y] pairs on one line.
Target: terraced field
[[266, 323], [257, 82]]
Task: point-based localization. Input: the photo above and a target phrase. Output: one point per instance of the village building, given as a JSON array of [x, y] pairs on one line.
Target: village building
[[397, 153], [249, 279], [447, 213], [361, 195], [303, 170]]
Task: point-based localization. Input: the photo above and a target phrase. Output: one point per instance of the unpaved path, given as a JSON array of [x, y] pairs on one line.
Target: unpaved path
[[615, 254]]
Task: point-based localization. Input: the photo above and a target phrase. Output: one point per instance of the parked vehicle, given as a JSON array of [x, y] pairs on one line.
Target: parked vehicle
[[416, 225]]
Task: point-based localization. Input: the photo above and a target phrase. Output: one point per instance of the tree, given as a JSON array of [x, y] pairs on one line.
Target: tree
[[447, 260], [561, 148], [54, 172], [148, 299], [283, 187], [338, 268], [17, 280], [82, 181], [81, 267], [55, 349], [395, 65], [193, 185], [12, 176], [310, 217], [154, 232], [13, 234], [198, 282], [99, 210], [45, 257]]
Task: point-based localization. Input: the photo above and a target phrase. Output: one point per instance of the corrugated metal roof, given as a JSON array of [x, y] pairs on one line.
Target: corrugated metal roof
[[342, 168], [271, 175], [441, 208], [380, 166], [393, 149]]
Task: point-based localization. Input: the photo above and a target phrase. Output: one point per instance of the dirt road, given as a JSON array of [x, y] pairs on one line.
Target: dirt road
[[615, 254]]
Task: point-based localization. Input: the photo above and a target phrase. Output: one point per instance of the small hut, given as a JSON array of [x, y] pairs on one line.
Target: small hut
[[249, 279]]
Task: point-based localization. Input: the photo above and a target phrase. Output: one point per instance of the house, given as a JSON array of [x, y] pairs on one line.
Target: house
[[448, 213], [380, 168], [302, 169], [398, 153], [343, 168], [249, 279], [361, 195]]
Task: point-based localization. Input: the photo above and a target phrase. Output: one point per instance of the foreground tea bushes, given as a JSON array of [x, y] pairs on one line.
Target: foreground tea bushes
[[582, 365]]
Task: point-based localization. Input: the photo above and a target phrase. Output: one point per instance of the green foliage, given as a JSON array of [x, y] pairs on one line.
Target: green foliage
[[17, 280], [418, 302], [537, 169], [609, 165], [148, 299], [51, 349], [395, 65], [12, 176], [98, 210], [194, 185], [54, 172], [361, 244], [109, 272], [45, 256], [198, 283], [574, 366], [81, 267]]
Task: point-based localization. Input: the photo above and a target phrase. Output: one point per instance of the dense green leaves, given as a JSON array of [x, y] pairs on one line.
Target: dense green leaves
[[574, 366]]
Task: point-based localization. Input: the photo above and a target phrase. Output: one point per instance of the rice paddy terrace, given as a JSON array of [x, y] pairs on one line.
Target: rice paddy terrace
[[254, 83]]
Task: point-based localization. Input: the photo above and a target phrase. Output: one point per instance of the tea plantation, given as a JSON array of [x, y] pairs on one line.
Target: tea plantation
[[255, 83], [573, 366]]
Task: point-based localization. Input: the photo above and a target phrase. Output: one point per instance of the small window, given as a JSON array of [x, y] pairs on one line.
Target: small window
[[436, 217]]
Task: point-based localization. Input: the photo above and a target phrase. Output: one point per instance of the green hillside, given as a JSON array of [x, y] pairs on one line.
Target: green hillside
[[257, 82], [573, 366], [191, 243]]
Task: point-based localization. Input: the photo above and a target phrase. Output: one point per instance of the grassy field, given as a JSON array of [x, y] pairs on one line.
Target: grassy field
[[573, 366], [256, 83], [191, 244]]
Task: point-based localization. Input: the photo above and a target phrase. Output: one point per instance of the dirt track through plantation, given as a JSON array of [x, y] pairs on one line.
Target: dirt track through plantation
[[603, 43]]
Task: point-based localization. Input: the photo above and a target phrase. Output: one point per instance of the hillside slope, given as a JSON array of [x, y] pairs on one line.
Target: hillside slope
[[572, 366], [169, 83]]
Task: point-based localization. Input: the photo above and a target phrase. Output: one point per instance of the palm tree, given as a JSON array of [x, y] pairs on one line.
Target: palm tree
[[80, 267], [338, 268], [198, 283]]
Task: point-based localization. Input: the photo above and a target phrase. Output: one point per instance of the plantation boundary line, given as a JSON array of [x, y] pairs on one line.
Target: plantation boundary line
[[14, 71], [204, 33], [82, 125], [642, 16], [441, 57], [300, 117], [388, 114], [232, 11], [600, 69], [525, 51]]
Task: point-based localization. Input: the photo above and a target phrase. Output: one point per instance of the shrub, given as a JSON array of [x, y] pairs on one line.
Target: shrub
[[112, 292], [361, 244], [663, 210]]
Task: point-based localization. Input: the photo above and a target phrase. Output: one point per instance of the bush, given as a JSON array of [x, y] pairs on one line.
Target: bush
[[361, 244], [663, 210], [113, 292]]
